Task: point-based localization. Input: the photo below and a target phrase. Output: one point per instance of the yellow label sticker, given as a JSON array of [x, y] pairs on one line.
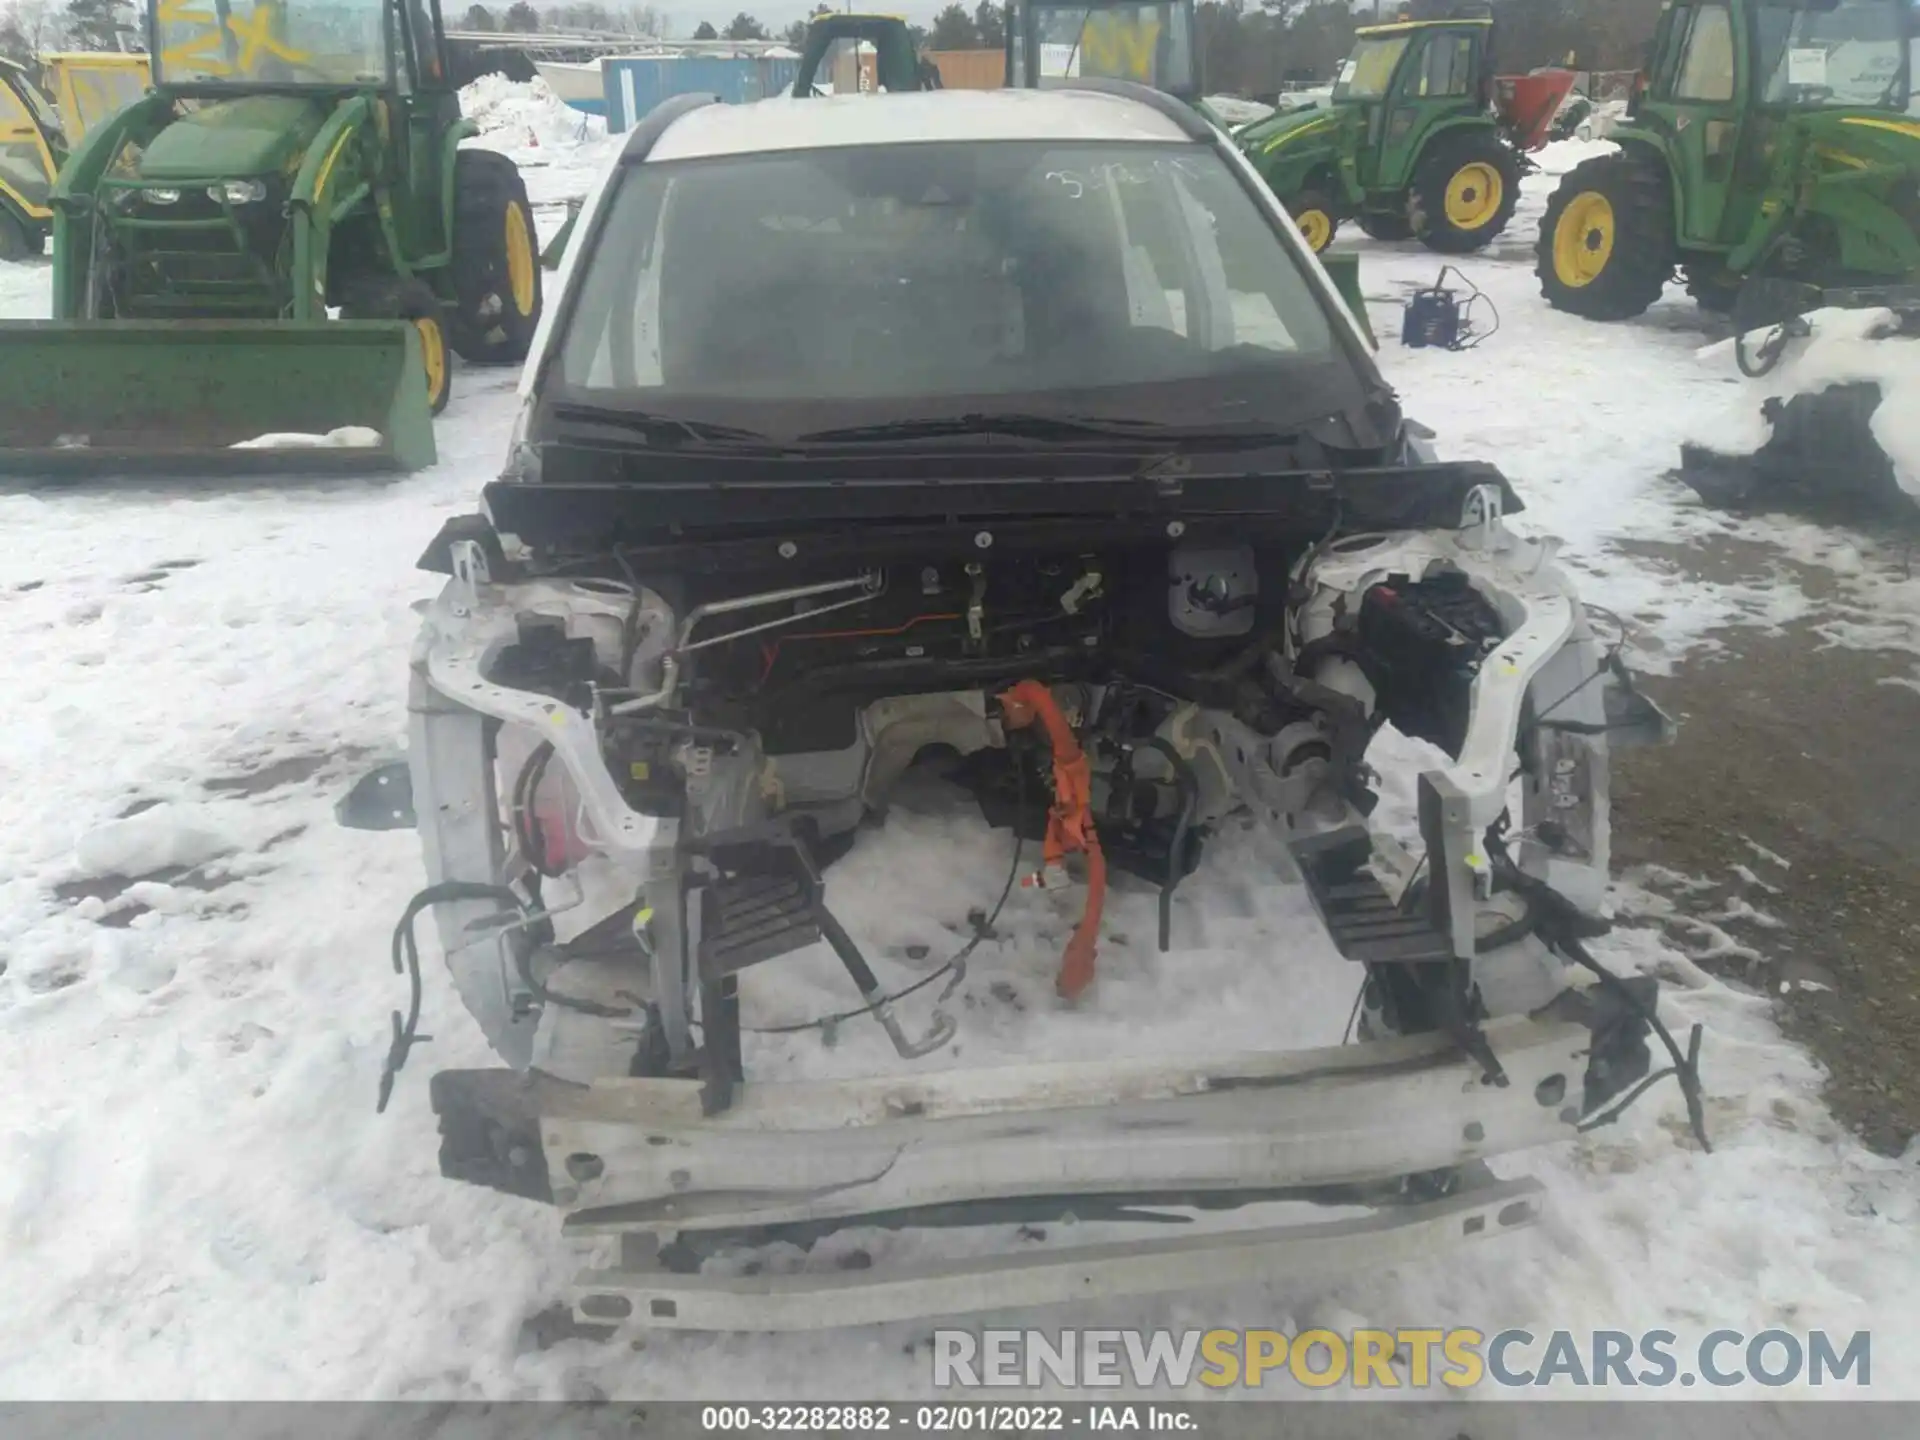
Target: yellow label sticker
[[1121, 48]]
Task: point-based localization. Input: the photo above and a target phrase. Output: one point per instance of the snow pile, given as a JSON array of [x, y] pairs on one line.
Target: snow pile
[[515, 115], [346, 437], [1236, 111], [560, 150], [1846, 347], [163, 838], [1557, 157]]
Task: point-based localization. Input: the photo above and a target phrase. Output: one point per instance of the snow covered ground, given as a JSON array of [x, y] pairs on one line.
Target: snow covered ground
[[197, 1200]]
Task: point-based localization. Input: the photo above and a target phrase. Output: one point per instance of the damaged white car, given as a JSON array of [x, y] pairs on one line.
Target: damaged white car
[[1019, 429]]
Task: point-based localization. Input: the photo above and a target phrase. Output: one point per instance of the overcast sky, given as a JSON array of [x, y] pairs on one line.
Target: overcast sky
[[684, 17]]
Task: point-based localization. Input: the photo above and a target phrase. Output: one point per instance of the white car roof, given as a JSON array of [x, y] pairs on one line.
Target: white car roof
[[922, 117]]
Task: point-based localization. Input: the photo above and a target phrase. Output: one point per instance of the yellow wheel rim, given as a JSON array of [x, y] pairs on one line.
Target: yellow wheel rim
[[1474, 195], [433, 354], [1583, 240], [1317, 227], [519, 259]]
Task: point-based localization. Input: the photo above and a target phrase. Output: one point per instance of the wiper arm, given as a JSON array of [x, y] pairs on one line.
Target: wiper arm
[[662, 429], [1026, 426]]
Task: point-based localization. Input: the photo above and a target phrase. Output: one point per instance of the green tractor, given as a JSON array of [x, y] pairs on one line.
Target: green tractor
[[291, 163], [1771, 141], [1422, 140]]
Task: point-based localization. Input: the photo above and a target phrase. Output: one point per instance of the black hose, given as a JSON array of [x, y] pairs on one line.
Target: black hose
[[1758, 303], [1553, 917], [526, 830], [835, 934], [1686, 1066], [1177, 852], [406, 961]]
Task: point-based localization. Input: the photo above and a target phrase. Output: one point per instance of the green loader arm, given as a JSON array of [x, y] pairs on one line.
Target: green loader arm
[[76, 189], [333, 179], [1849, 170], [449, 202], [1845, 169]]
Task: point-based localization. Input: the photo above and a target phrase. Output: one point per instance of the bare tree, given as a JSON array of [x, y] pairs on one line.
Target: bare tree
[[990, 25], [40, 26], [13, 41], [641, 20], [98, 24]]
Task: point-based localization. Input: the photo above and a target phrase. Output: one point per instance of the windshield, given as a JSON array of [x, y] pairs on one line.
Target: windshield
[[339, 42], [1151, 44], [98, 90], [1852, 53], [1060, 277], [1368, 72], [42, 112]]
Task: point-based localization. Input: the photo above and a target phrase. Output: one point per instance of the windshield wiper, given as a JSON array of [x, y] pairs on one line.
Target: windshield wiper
[[664, 430], [1025, 426]]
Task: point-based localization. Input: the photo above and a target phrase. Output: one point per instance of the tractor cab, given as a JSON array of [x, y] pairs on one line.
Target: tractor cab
[[31, 149], [1150, 44], [861, 54]]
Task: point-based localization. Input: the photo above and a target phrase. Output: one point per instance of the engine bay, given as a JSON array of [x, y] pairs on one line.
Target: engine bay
[[1114, 702], [634, 756]]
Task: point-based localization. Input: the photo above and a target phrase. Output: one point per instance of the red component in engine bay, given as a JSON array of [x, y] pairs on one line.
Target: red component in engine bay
[[1069, 822]]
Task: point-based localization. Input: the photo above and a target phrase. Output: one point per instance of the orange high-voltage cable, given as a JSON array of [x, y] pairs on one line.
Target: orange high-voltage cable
[[1069, 822]]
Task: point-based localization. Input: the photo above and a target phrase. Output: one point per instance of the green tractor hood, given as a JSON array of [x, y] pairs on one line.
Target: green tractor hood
[[249, 136], [1287, 126]]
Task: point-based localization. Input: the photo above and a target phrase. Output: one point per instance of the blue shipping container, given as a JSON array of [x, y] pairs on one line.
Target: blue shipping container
[[636, 85]]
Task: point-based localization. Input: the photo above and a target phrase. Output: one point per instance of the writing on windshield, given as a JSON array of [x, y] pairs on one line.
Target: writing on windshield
[[328, 44]]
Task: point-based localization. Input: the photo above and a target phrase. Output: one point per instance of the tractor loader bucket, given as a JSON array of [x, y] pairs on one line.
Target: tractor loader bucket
[[215, 398]]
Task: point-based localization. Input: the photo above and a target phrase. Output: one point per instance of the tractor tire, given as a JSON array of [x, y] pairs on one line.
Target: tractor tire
[[412, 300], [1606, 248], [1464, 192], [1380, 225], [496, 261], [18, 241], [1319, 221]]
